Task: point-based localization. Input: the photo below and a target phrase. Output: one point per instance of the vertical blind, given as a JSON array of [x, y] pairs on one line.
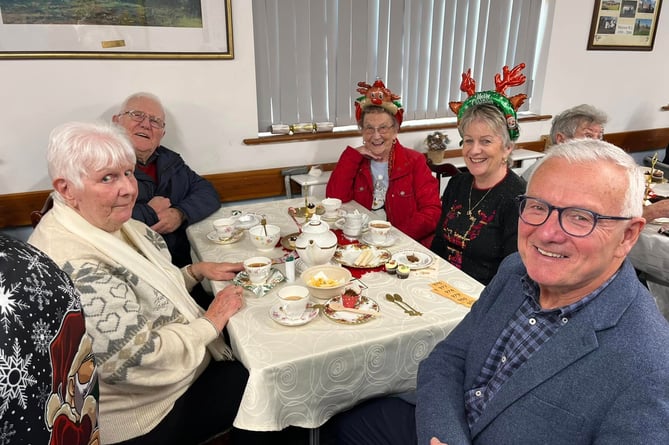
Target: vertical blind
[[310, 54]]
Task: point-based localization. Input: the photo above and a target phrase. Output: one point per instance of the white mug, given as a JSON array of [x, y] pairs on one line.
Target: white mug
[[294, 300]]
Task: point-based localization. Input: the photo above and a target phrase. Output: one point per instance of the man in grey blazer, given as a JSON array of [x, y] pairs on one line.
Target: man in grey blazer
[[565, 346]]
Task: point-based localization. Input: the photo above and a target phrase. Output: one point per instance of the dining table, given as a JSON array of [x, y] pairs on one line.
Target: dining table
[[650, 254], [302, 375]]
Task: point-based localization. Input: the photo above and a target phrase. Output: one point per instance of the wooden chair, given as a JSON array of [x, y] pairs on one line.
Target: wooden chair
[[36, 215], [443, 170]]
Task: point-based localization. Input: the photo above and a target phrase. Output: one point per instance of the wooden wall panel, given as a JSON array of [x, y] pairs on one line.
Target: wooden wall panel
[[15, 208]]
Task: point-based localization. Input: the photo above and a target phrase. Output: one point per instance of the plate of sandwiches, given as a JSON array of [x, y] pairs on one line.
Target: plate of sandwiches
[[361, 256]]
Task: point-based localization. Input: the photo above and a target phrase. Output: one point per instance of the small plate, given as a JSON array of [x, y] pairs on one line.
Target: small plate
[[301, 212], [424, 260], [345, 317], [301, 266], [277, 314], [239, 234], [247, 220], [390, 240], [334, 216], [660, 189], [275, 277], [348, 254], [288, 241]]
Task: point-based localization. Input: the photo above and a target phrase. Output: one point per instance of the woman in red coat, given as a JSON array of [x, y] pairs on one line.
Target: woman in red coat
[[407, 193]]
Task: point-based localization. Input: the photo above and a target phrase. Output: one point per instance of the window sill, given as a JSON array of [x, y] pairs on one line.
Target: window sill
[[301, 137]]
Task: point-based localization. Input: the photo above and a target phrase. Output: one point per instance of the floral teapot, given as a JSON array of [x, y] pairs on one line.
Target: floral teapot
[[317, 243]]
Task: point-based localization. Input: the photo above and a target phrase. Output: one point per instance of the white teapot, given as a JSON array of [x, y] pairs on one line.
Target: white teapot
[[317, 243]]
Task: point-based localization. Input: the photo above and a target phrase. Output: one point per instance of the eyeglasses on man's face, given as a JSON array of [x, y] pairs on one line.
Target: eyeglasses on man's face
[[139, 116], [383, 129], [574, 221]]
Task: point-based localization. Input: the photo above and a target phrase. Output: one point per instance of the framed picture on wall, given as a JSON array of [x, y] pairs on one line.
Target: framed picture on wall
[[624, 25], [137, 29]]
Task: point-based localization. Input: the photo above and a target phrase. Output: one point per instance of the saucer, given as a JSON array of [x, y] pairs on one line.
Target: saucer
[[277, 314], [340, 225], [247, 221], [275, 277], [211, 236], [345, 317], [334, 216], [301, 266], [390, 240], [415, 260]]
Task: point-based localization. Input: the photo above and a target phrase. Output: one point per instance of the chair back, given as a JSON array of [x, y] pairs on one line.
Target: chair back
[[36, 215], [443, 170]]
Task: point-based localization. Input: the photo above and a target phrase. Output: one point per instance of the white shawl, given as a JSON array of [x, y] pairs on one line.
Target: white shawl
[[151, 265]]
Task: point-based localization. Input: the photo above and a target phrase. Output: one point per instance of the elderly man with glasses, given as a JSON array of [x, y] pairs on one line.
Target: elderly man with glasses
[[171, 195], [565, 345]]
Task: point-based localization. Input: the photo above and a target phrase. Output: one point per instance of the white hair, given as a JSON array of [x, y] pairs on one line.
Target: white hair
[[77, 148], [578, 151]]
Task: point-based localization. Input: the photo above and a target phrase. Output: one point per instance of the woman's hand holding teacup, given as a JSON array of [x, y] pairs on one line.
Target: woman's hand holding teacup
[[226, 303]]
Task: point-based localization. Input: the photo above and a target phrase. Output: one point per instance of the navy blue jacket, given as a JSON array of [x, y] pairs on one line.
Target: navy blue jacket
[[188, 192], [603, 378]]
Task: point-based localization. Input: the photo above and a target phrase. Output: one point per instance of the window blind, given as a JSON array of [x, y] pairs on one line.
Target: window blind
[[310, 54]]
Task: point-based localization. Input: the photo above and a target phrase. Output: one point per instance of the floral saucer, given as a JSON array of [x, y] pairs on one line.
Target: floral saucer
[[346, 317], [278, 315], [275, 277], [239, 234]]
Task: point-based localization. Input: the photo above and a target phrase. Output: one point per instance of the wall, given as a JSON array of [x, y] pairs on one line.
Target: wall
[[211, 104]]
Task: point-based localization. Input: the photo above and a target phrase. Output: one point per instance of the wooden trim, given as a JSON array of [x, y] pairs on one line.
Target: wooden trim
[[15, 208], [300, 137]]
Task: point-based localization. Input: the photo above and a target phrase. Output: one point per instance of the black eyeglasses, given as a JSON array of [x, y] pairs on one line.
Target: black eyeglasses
[[139, 116], [573, 220]]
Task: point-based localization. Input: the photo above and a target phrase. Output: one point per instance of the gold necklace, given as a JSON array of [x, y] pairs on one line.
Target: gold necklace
[[471, 209]]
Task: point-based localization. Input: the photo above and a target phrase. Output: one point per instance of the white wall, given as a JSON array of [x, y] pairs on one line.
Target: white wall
[[211, 105]]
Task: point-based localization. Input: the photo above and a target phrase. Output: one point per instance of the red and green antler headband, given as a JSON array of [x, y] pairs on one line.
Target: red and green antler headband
[[378, 95], [507, 105]]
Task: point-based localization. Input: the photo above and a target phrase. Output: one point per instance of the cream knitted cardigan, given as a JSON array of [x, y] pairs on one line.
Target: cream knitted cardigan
[[149, 337]]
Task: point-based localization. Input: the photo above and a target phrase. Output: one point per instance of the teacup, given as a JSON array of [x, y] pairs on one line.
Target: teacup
[[294, 300], [225, 227], [331, 206], [257, 268], [379, 230], [352, 223]]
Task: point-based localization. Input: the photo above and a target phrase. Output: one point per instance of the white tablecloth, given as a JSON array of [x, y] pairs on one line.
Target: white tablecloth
[[304, 375], [651, 255]]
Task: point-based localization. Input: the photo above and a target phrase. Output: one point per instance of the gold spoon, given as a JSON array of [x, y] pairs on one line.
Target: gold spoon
[[413, 311], [263, 221], [392, 300]]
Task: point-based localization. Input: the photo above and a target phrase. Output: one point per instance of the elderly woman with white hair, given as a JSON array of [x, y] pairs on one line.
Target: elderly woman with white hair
[[166, 373]]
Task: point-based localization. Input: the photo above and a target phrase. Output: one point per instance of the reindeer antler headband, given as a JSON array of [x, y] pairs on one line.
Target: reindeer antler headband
[[507, 105], [377, 94]]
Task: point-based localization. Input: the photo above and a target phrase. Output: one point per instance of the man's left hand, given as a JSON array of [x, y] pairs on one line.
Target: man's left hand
[[217, 271], [169, 220]]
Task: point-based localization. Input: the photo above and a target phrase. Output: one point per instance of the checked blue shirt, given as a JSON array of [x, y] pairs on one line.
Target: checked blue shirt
[[528, 329]]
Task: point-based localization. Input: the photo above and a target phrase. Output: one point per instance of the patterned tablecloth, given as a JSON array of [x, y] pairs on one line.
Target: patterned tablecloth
[[303, 375]]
